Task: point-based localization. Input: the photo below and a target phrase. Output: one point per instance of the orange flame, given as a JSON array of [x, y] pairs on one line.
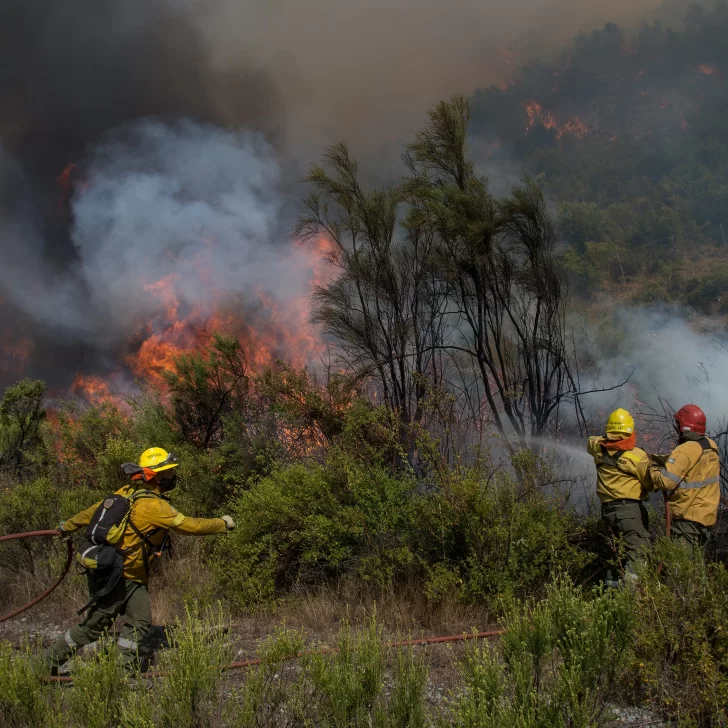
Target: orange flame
[[536, 114], [273, 329], [708, 70], [574, 126]]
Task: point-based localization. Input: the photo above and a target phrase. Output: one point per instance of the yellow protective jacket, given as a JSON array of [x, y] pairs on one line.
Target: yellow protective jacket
[[153, 516], [691, 477], [628, 478]]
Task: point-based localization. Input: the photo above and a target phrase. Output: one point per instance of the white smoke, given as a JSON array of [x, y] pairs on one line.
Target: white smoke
[[190, 201], [670, 356]]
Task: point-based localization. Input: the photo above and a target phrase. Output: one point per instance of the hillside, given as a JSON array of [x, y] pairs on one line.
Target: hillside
[[628, 132]]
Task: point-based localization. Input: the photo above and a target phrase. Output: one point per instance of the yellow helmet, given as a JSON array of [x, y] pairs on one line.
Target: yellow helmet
[[620, 422], [158, 459]]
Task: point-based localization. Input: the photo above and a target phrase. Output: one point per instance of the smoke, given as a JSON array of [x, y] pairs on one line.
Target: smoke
[[668, 360], [190, 120]]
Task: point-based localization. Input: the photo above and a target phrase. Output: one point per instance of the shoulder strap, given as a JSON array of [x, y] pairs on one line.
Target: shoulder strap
[[705, 444], [144, 493], [612, 460], [145, 540]]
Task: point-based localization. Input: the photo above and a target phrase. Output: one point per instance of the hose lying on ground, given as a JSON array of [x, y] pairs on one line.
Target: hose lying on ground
[[325, 651], [234, 665], [66, 567]]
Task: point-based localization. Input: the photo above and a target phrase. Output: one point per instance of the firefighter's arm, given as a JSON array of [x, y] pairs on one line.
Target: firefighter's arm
[[669, 476], [80, 519], [161, 514], [642, 471], [592, 446]]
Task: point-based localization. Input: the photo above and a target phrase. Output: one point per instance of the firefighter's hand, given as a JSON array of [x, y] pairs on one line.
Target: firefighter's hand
[[64, 535], [229, 523]]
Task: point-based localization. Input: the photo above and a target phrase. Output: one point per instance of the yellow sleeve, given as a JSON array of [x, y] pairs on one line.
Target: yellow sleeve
[[676, 467], [81, 519], [161, 514], [642, 471], [592, 446]]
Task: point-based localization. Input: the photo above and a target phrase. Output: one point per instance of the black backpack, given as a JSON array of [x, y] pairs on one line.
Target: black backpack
[[101, 550]]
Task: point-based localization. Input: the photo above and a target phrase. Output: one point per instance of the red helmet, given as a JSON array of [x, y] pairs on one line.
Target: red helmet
[[690, 418]]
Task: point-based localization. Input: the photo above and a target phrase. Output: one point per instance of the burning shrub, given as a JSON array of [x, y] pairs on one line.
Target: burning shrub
[[205, 387], [90, 444]]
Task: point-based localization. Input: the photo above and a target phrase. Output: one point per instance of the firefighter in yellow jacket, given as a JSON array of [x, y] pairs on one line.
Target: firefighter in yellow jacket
[[623, 482], [691, 478], [151, 517]]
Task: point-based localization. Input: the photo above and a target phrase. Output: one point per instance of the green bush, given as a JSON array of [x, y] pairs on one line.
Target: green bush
[[24, 701], [188, 695], [558, 663], [305, 523], [360, 682], [474, 536], [347, 683], [481, 536], [680, 667], [270, 690], [100, 688]]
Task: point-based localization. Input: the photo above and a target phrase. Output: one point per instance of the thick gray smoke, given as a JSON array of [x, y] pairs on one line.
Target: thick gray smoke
[[669, 360], [158, 102], [192, 202]]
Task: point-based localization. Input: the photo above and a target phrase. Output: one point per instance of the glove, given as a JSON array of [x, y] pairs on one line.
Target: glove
[[229, 523], [657, 459], [64, 535]]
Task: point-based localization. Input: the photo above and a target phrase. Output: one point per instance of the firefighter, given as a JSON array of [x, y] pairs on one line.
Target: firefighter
[[150, 518], [623, 482], [691, 478]]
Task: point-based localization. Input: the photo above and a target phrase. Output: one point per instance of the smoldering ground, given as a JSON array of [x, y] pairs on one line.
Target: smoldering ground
[[78, 82]]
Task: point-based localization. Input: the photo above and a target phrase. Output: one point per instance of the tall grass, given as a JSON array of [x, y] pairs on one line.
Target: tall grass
[[557, 663], [188, 695], [25, 702], [101, 688]]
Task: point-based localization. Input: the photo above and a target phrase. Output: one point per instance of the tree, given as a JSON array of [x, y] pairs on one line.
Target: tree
[[21, 414], [206, 387], [385, 308], [496, 258]]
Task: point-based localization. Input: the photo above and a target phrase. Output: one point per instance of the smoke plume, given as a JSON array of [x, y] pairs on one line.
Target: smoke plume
[[188, 122], [669, 360]]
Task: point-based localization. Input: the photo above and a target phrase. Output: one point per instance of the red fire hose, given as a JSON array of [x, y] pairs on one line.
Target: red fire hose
[[66, 567], [325, 651]]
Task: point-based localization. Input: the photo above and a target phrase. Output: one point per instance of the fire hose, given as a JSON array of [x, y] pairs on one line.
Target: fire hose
[[324, 651], [66, 567], [233, 665]]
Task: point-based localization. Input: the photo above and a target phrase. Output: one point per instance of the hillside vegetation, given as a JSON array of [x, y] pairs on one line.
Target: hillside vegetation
[[629, 134]]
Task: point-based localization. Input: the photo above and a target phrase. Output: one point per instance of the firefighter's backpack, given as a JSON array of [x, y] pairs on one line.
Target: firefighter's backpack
[[101, 550]]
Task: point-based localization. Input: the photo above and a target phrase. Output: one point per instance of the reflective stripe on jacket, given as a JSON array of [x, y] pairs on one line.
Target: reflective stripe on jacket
[[630, 479], [692, 478], [152, 516]]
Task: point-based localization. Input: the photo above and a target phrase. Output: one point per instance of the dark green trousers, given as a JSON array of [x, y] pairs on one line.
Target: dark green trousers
[[628, 521], [128, 599], [692, 534]]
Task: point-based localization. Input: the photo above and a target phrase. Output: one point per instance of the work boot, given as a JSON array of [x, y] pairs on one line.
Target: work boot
[[611, 580]]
